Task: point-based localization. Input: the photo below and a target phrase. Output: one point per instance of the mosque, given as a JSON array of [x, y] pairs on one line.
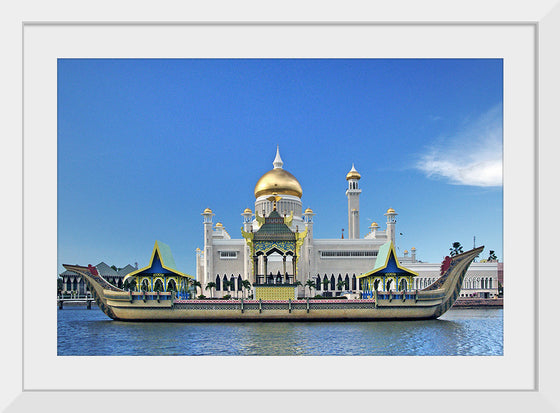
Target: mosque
[[279, 256]]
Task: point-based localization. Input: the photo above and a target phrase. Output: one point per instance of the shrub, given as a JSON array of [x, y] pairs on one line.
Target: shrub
[[226, 297], [201, 297]]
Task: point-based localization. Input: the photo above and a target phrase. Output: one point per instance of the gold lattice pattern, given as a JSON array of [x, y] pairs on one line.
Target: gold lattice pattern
[[275, 293]]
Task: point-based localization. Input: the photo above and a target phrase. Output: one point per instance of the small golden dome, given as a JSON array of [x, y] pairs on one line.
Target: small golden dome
[[247, 211], [353, 174], [278, 181], [308, 211], [390, 211], [219, 225], [374, 225], [406, 251], [207, 211], [413, 249]]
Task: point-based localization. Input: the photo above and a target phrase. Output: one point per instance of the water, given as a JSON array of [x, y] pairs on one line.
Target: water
[[459, 332]]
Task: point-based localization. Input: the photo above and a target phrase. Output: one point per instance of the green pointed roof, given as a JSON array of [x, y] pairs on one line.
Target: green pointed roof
[[386, 251], [166, 259], [274, 228]]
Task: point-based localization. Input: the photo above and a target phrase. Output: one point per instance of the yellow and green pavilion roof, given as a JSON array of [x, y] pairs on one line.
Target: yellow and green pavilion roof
[[387, 262], [161, 259]]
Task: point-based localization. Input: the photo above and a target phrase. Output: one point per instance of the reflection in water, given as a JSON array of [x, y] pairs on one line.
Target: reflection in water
[[458, 332]]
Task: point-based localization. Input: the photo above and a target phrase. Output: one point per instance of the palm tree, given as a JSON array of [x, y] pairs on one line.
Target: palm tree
[[311, 284], [196, 284], [210, 286], [246, 285], [341, 284], [456, 249], [325, 284], [226, 284]]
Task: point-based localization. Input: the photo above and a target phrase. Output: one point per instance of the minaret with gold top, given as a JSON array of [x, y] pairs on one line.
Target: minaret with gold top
[[353, 194]]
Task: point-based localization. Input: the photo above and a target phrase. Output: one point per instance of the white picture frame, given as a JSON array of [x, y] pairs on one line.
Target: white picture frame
[[542, 19]]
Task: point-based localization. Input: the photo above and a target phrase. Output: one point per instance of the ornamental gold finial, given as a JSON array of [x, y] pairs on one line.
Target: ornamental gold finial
[[274, 199]]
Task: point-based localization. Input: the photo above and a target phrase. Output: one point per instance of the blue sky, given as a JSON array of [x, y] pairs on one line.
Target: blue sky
[[145, 145]]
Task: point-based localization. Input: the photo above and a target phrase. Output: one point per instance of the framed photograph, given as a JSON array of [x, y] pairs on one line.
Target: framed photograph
[[523, 40]]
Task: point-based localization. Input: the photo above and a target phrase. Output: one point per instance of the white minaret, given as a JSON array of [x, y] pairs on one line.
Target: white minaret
[[353, 194], [208, 248], [308, 257], [391, 221], [247, 259]]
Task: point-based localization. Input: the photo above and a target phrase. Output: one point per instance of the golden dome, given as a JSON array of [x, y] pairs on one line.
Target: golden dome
[[219, 225], [247, 211], [374, 225], [278, 181], [390, 211], [207, 211], [413, 249], [406, 251], [353, 174], [308, 211]]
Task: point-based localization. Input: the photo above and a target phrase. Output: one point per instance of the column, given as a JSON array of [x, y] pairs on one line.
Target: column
[[284, 275], [294, 259], [265, 266], [255, 268]]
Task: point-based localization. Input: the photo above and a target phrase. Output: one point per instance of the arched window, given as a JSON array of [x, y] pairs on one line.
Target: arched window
[[325, 284], [218, 283], [347, 282], [239, 283], [490, 283], [333, 283], [404, 285], [172, 286], [145, 285], [388, 285], [354, 282], [158, 285], [318, 283], [339, 280]]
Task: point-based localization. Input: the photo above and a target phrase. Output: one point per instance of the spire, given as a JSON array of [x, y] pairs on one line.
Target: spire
[[353, 174], [278, 161]]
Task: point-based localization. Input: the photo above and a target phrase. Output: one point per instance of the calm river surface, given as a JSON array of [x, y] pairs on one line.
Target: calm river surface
[[459, 332]]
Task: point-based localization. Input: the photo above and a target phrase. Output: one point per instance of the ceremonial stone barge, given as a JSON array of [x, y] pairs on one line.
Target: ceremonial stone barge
[[404, 304]]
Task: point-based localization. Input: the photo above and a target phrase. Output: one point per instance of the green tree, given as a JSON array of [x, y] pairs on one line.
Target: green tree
[[456, 249], [325, 284], [226, 284], [246, 285], [210, 286], [196, 284], [311, 284], [341, 284]]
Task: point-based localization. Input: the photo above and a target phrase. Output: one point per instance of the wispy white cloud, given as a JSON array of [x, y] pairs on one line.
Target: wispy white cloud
[[471, 156]]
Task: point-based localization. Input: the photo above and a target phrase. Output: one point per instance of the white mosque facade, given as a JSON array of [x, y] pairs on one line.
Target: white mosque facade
[[338, 261]]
